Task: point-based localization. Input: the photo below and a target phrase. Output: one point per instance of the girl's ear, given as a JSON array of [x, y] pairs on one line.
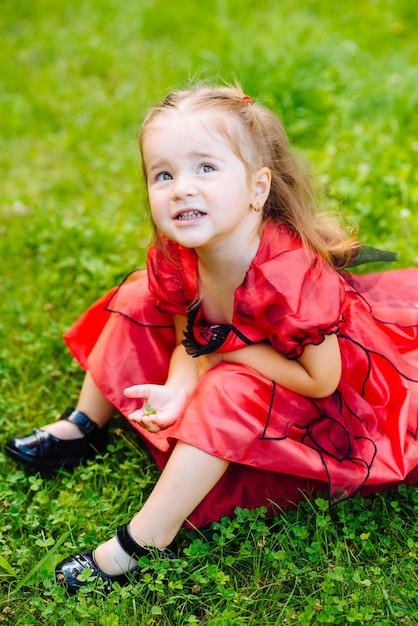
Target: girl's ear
[[262, 184]]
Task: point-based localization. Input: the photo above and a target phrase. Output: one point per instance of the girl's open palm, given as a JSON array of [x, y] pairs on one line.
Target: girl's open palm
[[161, 408]]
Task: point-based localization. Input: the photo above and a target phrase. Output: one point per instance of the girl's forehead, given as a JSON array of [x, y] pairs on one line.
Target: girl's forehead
[[198, 126]]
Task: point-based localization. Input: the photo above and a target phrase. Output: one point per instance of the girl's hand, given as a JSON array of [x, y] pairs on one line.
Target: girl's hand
[[161, 407]]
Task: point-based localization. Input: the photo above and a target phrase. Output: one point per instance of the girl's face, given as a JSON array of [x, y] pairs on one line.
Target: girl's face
[[199, 191]]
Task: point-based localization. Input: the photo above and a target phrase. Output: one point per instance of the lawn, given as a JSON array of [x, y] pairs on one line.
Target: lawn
[[75, 82]]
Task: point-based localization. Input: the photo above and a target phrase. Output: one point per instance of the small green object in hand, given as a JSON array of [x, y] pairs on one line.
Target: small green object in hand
[[149, 410]]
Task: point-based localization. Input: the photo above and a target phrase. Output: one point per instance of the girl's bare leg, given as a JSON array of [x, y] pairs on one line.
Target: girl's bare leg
[[91, 402], [186, 479]]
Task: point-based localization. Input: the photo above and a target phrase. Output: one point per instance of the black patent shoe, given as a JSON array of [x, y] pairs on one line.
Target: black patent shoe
[[43, 450], [69, 570]]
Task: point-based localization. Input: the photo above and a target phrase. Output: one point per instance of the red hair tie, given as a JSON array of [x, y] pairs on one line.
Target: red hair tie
[[246, 99]]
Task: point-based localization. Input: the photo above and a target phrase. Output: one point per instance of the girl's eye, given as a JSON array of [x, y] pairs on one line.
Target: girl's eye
[[206, 169], [163, 176]]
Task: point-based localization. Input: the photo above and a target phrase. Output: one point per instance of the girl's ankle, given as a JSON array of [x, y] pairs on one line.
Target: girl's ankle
[[112, 559], [64, 430]]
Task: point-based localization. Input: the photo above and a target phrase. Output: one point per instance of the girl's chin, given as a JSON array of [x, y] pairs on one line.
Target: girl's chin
[[188, 243], [188, 240]]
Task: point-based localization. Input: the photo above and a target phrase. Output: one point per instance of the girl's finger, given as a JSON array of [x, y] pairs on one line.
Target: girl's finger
[[149, 425], [137, 391], [137, 416]]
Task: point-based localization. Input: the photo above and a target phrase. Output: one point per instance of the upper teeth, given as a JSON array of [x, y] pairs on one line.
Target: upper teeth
[[188, 215]]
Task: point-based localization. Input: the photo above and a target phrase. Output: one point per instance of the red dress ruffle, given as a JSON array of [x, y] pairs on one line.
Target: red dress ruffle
[[280, 445]]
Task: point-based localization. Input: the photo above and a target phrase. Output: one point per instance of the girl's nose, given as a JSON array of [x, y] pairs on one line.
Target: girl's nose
[[183, 186]]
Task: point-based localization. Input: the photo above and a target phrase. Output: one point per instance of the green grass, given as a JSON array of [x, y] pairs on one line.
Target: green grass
[[75, 81]]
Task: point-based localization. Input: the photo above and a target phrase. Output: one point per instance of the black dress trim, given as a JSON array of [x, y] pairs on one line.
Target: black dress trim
[[110, 309], [213, 336]]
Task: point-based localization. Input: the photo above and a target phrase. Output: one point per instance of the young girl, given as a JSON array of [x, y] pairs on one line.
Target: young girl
[[253, 366]]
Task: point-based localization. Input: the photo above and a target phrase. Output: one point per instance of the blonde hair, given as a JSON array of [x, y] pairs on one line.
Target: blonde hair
[[262, 142]]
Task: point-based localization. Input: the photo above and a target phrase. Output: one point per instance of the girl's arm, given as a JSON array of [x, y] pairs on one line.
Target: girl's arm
[[164, 403], [182, 373], [315, 374]]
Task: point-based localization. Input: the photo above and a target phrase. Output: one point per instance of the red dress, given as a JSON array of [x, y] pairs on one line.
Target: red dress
[[280, 444]]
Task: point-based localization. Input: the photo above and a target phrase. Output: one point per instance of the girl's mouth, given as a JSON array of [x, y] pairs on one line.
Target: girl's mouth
[[189, 215]]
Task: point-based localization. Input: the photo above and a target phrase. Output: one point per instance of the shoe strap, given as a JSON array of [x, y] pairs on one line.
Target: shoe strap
[[128, 543], [136, 551], [85, 424]]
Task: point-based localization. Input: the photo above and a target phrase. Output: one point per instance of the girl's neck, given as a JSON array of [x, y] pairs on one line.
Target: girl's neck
[[236, 257], [220, 273]]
